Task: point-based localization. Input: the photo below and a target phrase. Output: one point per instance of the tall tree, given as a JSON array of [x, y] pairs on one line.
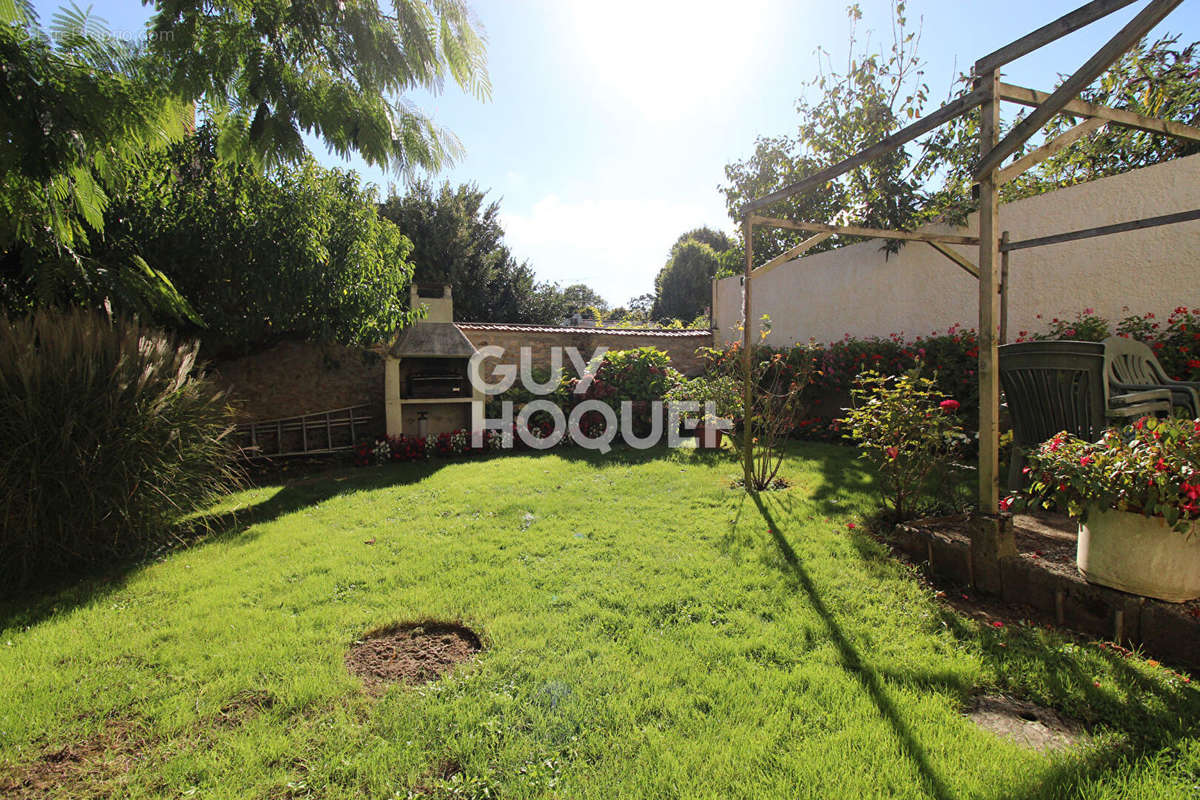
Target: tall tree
[[683, 288], [878, 92], [579, 296], [719, 241], [77, 106], [297, 252], [267, 72], [1159, 79], [875, 93], [458, 240]]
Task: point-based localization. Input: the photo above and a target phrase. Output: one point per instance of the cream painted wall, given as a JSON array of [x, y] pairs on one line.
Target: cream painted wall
[[861, 291]]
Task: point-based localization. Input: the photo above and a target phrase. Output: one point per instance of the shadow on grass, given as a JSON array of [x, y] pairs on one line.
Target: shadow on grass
[[853, 663], [843, 474], [61, 593], [629, 456], [1147, 731]]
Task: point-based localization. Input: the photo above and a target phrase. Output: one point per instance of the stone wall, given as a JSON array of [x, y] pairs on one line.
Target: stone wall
[[294, 378], [290, 379], [680, 345]]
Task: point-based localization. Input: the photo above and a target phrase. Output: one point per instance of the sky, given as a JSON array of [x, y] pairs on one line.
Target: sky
[[610, 122]]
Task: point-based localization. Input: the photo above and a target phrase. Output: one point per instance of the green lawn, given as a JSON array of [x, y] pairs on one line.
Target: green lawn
[[650, 633]]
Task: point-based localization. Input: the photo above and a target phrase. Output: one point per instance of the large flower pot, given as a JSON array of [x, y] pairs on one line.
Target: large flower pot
[[709, 438], [1139, 555]]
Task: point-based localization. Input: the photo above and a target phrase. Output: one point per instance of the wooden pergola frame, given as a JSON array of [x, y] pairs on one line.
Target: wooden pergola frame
[[987, 94]]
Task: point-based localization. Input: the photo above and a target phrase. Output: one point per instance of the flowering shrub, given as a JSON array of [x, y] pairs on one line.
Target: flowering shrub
[[640, 375], [1178, 347], [950, 359], [421, 448], [1177, 344], [1086, 327], [910, 431], [643, 373], [454, 443], [1151, 467]]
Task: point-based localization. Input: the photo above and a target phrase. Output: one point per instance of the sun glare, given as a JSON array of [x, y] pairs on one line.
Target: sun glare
[[663, 57]]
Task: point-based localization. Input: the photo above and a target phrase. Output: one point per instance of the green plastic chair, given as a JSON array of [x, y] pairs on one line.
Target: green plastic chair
[[1131, 366], [1055, 386]]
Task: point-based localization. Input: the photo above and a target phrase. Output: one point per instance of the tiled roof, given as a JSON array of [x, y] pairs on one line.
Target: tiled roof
[[666, 332]]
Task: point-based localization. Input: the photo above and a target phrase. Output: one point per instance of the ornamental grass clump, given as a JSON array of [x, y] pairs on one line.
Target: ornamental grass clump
[[1151, 467], [108, 437], [911, 433]]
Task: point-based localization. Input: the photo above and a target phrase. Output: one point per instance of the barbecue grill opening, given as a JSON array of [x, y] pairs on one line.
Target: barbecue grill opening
[[435, 378]]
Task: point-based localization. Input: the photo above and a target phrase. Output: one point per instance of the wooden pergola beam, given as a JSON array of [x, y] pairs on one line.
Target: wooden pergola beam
[[870, 233], [1102, 230], [791, 254], [883, 147], [1033, 157], [1080, 108], [1079, 80], [957, 257], [1067, 23]]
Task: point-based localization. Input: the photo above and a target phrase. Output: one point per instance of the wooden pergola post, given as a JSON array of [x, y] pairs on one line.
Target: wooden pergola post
[[989, 303], [992, 535], [747, 362], [1004, 238]]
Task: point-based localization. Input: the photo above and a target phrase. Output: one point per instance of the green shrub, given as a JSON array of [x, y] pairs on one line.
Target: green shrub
[[107, 438], [910, 432], [641, 373], [723, 391]]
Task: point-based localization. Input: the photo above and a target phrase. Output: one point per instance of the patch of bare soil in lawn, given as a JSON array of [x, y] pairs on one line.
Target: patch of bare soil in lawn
[[1035, 727], [96, 766], [241, 707], [410, 653], [435, 780], [89, 768]]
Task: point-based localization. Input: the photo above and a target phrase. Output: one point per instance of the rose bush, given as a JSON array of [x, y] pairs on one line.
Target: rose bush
[[950, 359], [911, 433]]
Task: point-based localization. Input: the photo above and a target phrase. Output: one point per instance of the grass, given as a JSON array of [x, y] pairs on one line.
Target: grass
[[649, 632]]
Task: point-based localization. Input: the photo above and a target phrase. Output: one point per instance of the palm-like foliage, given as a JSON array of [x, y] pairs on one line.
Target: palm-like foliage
[[79, 108], [270, 70], [79, 105]]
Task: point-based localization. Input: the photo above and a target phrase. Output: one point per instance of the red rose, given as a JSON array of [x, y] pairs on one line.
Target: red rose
[[949, 405]]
